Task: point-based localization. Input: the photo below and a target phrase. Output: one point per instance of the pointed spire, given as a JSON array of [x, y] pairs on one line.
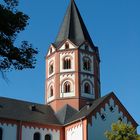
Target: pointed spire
[[73, 27]]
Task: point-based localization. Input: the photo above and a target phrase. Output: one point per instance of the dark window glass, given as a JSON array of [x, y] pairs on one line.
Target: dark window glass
[[87, 88], [37, 136], [67, 63], [103, 117], [86, 64], [0, 133], [67, 87], [66, 45], [51, 69], [47, 137], [111, 109], [51, 91]]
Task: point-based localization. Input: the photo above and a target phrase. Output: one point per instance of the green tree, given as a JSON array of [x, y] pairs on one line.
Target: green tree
[[12, 22], [122, 131]]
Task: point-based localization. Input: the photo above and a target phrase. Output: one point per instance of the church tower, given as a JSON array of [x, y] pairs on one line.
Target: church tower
[[72, 65]]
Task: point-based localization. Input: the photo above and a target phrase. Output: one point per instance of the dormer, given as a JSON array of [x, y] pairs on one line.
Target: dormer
[[51, 50]]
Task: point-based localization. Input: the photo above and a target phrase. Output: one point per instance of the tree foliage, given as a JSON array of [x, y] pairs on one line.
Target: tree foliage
[[122, 131], [12, 22]]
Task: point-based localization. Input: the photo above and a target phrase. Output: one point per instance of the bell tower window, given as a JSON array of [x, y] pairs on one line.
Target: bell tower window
[[51, 68], [67, 87], [87, 88], [51, 91], [67, 63], [86, 64]]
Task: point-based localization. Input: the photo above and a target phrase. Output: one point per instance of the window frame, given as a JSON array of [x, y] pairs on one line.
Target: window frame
[[51, 93], [51, 68], [87, 64], [38, 136], [87, 90], [67, 87], [50, 137], [67, 63], [67, 46]]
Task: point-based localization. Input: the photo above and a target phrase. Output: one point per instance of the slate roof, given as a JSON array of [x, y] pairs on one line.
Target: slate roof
[[73, 27], [65, 113], [43, 114], [21, 110]]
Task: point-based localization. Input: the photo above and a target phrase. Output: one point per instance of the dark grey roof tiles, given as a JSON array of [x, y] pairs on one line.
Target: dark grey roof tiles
[[21, 110], [85, 111], [38, 113], [65, 113], [73, 27], [32, 112]]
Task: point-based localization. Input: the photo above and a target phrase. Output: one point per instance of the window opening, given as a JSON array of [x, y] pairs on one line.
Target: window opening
[[111, 109], [87, 88], [67, 63], [86, 64], [103, 117], [37, 136], [67, 45], [67, 87], [47, 137], [51, 91], [51, 69]]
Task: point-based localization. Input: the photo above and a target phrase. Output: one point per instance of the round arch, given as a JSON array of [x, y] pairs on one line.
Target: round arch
[[88, 86], [64, 83]]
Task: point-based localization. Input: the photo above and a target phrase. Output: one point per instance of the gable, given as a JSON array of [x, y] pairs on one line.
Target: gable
[[86, 47], [51, 50], [64, 45], [109, 111], [99, 105], [112, 101]]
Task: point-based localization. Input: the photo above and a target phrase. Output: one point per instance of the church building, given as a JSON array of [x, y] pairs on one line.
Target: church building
[[74, 108]]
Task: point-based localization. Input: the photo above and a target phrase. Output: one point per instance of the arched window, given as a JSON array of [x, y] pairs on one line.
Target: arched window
[[51, 68], [67, 87], [47, 137], [67, 63], [87, 88], [86, 64], [1, 133], [36, 136], [51, 91], [66, 45]]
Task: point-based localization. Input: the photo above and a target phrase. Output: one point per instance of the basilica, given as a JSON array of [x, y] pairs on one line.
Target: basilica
[[74, 108]]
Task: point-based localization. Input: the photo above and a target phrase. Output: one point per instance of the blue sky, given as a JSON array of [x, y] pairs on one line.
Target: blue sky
[[114, 26]]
